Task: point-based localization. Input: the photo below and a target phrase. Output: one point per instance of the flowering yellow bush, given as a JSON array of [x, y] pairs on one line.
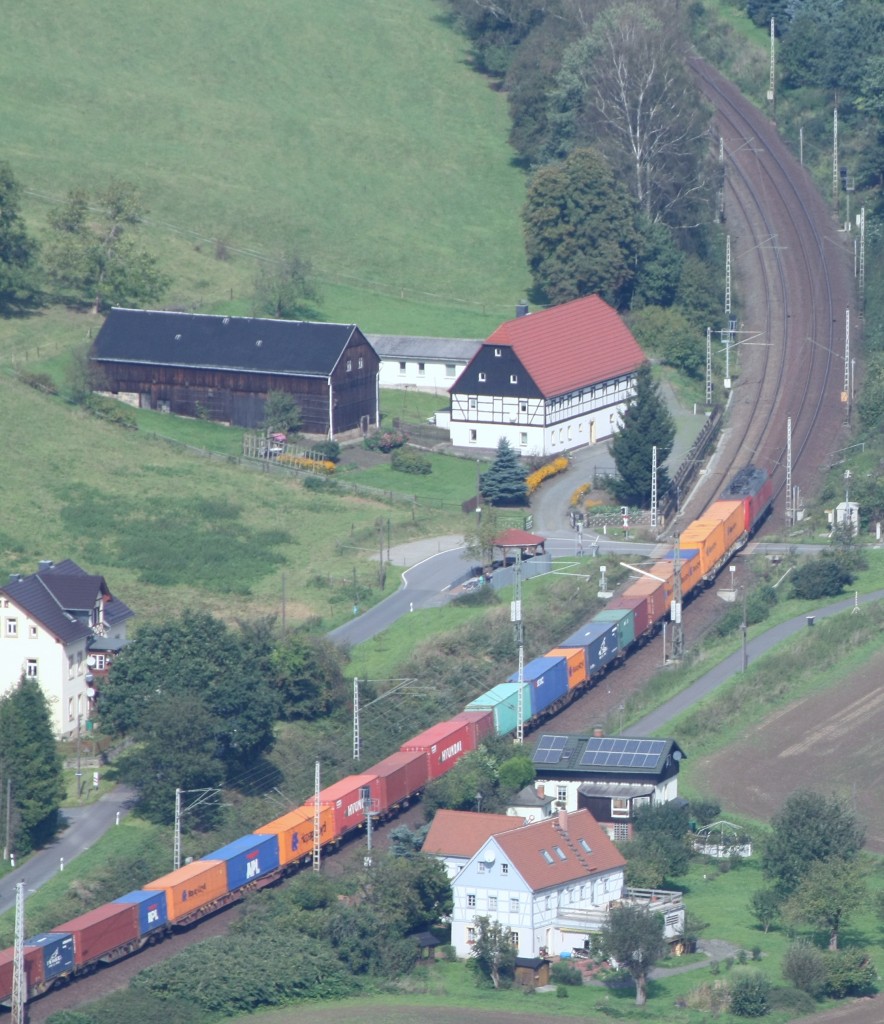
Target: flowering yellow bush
[[300, 462], [578, 496], [535, 479]]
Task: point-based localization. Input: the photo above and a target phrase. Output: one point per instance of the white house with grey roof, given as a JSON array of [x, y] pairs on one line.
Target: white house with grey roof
[[62, 627], [425, 364]]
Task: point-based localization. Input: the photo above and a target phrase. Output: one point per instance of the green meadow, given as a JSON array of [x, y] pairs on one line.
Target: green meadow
[[355, 133]]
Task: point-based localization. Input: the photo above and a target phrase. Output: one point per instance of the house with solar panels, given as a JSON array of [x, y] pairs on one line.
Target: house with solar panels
[[61, 626], [547, 381], [609, 776]]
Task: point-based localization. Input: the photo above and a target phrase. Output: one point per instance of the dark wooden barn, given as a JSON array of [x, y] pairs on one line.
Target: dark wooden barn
[[222, 368]]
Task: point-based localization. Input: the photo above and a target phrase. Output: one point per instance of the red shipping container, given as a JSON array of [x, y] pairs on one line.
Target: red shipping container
[[482, 721], [400, 776], [33, 970], [639, 606], [658, 596], [444, 744], [102, 930], [345, 800]]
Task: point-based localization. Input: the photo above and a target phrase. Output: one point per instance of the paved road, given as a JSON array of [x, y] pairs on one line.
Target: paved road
[[86, 824], [731, 665]]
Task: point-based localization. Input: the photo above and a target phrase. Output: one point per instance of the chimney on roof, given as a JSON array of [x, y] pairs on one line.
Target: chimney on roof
[[15, 577], [44, 564], [597, 730], [563, 820], [540, 789], [522, 308]]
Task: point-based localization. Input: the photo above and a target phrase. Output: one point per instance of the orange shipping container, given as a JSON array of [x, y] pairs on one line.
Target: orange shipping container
[[575, 658], [690, 570], [733, 515], [191, 887], [708, 537], [294, 832]]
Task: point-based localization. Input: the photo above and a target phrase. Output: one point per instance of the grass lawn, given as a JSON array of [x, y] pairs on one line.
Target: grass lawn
[[357, 134]]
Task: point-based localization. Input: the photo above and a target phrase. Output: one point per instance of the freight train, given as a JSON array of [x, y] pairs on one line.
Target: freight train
[[282, 846]]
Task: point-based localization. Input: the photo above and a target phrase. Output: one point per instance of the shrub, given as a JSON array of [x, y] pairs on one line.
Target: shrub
[[797, 1002], [320, 483], [385, 441], [535, 479], [749, 991], [39, 382], [447, 952], [823, 577], [578, 496], [561, 992], [405, 461], [805, 967], [328, 450], [303, 462], [111, 410], [849, 972], [562, 973]]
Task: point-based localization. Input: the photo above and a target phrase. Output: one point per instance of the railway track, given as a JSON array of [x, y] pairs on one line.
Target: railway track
[[791, 270]]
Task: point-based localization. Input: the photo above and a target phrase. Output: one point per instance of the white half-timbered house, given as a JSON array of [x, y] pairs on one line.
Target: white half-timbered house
[[548, 381], [550, 884]]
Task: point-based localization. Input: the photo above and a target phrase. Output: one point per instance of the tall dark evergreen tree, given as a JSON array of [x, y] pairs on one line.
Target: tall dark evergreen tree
[[646, 422], [504, 482], [28, 757], [18, 287]]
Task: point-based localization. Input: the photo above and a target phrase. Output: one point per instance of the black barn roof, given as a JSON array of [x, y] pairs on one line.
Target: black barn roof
[[197, 340]]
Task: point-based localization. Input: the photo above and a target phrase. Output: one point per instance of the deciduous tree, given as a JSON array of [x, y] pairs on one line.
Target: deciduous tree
[[93, 255], [580, 233], [493, 952], [646, 422], [828, 894], [633, 936], [809, 828], [286, 289]]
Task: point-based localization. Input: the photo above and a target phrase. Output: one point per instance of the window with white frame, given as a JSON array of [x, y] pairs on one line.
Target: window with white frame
[[472, 437], [450, 369], [514, 904], [504, 869], [349, 365], [523, 439], [562, 793], [514, 378], [497, 353], [31, 668], [401, 367], [482, 867], [471, 899], [471, 934], [472, 403], [360, 363], [70, 666], [421, 369], [514, 939], [70, 709], [101, 662], [523, 406], [32, 631], [619, 807], [79, 663], [492, 903], [12, 627], [621, 833], [482, 378]]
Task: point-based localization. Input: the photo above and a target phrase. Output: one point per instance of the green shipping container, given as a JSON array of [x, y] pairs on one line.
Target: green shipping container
[[503, 700], [625, 619]]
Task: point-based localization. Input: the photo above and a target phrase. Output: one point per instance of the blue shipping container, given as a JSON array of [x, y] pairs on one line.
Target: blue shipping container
[[248, 858], [625, 624], [599, 642], [152, 912], [548, 679], [58, 952], [503, 700]]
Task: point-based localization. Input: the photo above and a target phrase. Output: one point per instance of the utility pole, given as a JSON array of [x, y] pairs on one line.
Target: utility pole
[[835, 160], [316, 822], [516, 617], [654, 487], [743, 628], [19, 979], [79, 773], [771, 89], [845, 394], [862, 259], [180, 811], [675, 613], [709, 366], [7, 835], [790, 512], [356, 742]]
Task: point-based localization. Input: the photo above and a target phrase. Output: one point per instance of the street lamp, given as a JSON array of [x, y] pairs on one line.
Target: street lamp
[[478, 802], [733, 569]]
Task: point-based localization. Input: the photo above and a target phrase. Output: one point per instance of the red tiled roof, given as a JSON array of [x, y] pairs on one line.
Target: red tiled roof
[[524, 848], [461, 833], [571, 346], [514, 538]]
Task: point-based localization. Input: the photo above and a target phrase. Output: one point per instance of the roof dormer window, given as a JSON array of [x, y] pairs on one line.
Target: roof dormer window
[[482, 378], [514, 378], [497, 353]]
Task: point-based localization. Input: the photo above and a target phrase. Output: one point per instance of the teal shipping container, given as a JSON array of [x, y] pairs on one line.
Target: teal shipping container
[[625, 619], [503, 701]]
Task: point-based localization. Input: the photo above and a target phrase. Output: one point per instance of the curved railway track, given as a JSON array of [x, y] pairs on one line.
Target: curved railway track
[[791, 269]]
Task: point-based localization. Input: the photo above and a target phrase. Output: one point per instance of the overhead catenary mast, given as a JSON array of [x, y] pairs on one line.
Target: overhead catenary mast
[[516, 618]]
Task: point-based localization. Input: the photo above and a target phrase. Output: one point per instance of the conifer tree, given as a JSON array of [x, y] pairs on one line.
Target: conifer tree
[[28, 757], [504, 482], [646, 422]]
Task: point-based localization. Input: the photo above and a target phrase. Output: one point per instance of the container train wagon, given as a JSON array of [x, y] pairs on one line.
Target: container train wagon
[[180, 899]]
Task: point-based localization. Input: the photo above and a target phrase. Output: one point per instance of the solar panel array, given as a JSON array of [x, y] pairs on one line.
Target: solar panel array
[[549, 749], [619, 752]]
